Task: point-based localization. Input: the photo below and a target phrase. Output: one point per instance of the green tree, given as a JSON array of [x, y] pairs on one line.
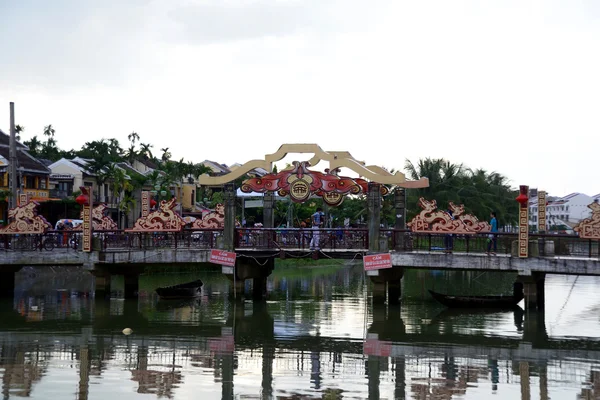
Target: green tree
[[481, 192]]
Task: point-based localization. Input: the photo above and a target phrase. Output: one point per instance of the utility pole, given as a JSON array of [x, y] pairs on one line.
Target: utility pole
[[12, 174]]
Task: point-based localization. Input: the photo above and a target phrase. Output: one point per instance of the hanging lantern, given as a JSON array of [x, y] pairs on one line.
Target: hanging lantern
[[152, 203], [522, 197], [82, 200]]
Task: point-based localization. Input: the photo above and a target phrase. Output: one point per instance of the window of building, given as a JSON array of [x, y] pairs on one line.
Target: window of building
[[42, 183]]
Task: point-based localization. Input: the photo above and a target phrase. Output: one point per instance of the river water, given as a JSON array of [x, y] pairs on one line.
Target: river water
[[317, 337]]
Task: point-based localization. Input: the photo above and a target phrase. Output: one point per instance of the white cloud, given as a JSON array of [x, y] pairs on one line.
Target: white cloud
[[385, 80]]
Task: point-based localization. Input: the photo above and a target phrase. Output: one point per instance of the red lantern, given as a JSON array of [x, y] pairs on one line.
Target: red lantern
[[82, 200], [152, 203], [522, 197]]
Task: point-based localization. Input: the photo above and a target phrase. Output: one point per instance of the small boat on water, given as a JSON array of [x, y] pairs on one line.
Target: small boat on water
[[183, 290], [483, 302]]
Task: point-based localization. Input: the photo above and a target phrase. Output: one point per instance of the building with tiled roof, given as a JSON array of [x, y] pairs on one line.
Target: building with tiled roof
[[33, 175]]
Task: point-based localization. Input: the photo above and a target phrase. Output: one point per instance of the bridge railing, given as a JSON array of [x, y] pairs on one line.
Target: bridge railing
[[65, 240], [186, 239], [300, 238], [562, 245]]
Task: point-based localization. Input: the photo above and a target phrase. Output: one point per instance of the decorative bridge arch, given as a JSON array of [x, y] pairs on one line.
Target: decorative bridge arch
[[299, 182]]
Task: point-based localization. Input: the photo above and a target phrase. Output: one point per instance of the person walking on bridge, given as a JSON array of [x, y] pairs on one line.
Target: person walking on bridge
[[493, 237], [317, 222]]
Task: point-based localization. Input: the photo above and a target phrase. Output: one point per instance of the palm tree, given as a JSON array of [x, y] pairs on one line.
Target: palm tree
[[131, 154], [145, 151], [481, 192], [166, 156], [34, 146], [133, 137], [49, 131], [18, 130]]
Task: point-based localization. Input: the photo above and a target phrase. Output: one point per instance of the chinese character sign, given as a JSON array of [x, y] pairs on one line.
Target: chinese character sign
[[541, 211]]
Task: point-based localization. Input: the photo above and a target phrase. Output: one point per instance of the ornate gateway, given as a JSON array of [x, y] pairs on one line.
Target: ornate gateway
[[300, 183]]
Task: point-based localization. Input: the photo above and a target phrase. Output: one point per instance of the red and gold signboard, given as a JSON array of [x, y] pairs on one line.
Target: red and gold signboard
[[145, 203], [541, 211], [299, 182], [523, 200], [87, 218]]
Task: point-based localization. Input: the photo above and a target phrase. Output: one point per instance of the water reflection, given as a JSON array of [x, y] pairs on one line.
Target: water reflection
[[66, 345]]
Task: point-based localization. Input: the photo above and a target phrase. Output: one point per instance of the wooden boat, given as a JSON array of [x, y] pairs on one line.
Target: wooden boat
[[183, 290], [488, 302]]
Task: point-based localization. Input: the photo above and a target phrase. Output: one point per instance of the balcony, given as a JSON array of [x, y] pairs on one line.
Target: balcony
[[59, 194]]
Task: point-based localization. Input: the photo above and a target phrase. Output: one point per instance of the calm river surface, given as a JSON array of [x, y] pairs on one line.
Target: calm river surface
[[317, 337]]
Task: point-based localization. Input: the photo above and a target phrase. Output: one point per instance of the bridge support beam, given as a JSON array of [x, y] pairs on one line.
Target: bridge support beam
[[374, 212], [533, 290], [253, 269], [386, 285]]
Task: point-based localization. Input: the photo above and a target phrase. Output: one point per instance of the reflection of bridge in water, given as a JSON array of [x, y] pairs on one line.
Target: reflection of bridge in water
[[430, 363]]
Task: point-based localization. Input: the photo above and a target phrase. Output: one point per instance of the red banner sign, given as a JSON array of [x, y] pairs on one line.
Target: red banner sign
[[222, 257], [377, 261], [374, 347]]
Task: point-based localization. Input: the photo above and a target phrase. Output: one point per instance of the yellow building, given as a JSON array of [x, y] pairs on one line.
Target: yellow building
[[33, 175]]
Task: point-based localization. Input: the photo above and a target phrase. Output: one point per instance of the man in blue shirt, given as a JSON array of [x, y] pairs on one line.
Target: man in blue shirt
[[317, 222], [493, 238]]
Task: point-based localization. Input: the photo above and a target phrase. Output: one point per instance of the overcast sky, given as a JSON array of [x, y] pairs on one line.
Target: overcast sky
[[511, 86]]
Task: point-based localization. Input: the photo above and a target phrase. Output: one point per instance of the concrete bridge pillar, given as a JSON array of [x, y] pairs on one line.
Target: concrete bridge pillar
[[374, 212], [249, 268], [533, 290], [386, 285]]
